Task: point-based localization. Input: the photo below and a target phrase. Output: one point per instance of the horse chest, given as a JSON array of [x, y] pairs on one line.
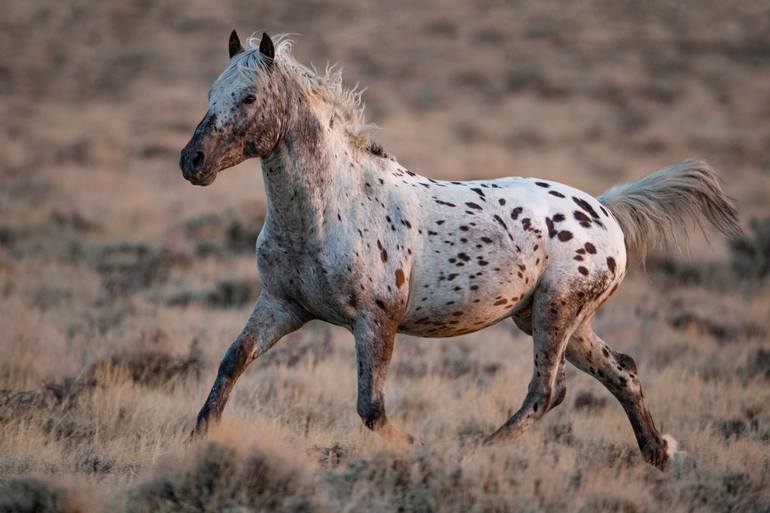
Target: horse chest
[[312, 277]]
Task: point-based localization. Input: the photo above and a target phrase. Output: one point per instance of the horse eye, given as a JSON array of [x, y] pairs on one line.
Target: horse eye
[[249, 98]]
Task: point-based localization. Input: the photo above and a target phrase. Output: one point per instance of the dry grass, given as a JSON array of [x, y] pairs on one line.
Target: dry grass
[[121, 285]]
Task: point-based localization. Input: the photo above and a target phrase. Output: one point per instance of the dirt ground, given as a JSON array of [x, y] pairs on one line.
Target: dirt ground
[[121, 284]]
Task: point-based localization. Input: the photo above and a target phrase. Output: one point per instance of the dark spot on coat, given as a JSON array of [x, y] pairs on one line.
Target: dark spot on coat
[[584, 220], [585, 206], [558, 218], [583, 270], [549, 225], [590, 248], [383, 253], [501, 201], [471, 204], [611, 264], [556, 193], [515, 212], [542, 184], [380, 303], [588, 208], [486, 240], [399, 278], [565, 235]]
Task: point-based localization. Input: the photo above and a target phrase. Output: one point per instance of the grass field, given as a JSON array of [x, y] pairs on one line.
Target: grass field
[[121, 284]]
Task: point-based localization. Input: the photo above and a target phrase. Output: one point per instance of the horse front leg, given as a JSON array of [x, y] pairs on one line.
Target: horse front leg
[[271, 319], [374, 348]]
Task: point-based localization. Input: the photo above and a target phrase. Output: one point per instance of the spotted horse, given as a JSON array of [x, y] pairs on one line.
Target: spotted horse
[[353, 238]]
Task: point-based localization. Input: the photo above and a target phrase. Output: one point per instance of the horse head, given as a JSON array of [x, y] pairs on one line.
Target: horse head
[[245, 113]]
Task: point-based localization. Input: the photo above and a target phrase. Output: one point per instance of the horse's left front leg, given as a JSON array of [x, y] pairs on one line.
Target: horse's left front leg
[[271, 319], [374, 348]]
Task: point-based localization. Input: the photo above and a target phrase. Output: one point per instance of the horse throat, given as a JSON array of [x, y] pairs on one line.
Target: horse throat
[[299, 178]]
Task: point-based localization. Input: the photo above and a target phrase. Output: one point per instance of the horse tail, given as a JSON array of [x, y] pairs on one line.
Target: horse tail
[[658, 209]]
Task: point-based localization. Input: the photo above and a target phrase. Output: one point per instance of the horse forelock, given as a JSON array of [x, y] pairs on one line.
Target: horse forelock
[[323, 89]]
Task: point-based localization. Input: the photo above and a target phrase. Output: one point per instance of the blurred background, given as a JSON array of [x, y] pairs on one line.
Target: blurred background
[[121, 284]]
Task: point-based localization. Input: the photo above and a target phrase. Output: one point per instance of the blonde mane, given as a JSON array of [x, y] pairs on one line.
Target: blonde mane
[[325, 88]]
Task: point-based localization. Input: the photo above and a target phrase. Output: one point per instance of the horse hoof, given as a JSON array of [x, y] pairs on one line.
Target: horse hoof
[[664, 454], [198, 432]]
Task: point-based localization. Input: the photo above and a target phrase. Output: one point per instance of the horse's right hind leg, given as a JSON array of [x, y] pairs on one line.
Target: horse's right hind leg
[[617, 372]]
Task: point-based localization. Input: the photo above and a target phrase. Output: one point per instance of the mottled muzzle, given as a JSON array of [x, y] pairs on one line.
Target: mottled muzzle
[[197, 160]]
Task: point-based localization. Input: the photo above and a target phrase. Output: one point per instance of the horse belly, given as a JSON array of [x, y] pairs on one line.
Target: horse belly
[[459, 305]]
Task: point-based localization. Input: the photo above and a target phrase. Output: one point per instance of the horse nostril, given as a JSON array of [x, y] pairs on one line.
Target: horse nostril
[[197, 160]]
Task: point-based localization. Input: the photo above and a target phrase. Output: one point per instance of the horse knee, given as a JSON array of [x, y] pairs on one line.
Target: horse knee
[[372, 414]]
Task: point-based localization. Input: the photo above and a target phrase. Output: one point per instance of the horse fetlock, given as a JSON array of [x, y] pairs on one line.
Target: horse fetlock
[[201, 426], [658, 452], [372, 414]]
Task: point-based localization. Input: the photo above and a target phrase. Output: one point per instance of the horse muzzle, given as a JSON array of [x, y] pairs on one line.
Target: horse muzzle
[[193, 163]]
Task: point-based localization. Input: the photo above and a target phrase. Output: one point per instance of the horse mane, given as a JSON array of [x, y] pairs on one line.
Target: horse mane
[[322, 87]]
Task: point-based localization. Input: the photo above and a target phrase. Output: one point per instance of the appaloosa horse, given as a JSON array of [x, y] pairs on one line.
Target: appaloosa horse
[[355, 239]]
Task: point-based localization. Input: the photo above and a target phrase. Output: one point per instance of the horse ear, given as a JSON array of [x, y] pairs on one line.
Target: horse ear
[[267, 49], [234, 44]]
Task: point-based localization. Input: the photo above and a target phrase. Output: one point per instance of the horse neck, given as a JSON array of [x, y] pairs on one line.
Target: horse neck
[[302, 175]]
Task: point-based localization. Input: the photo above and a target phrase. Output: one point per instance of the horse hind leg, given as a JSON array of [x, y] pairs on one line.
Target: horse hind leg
[[523, 320], [555, 315], [618, 373]]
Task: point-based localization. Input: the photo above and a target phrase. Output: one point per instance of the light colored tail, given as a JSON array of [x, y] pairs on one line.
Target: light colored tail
[[658, 209]]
